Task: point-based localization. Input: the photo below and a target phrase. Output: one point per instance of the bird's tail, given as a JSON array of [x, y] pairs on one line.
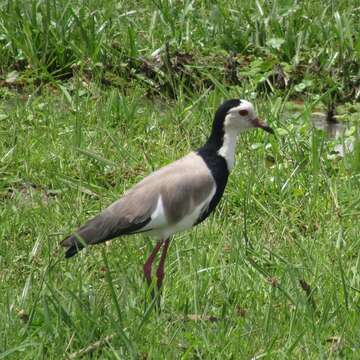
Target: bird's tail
[[99, 229], [93, 232]]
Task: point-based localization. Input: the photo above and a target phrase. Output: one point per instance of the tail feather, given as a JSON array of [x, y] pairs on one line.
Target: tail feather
[[71, 251], [93, 232], [99, 229]]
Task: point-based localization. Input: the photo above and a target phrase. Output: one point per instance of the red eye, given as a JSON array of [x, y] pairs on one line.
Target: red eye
[[243, 112]]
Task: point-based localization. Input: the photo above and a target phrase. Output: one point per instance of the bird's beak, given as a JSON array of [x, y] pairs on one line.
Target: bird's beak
[[260, 124]]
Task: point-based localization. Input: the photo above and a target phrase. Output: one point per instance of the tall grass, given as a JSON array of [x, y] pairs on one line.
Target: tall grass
[[52, 38]]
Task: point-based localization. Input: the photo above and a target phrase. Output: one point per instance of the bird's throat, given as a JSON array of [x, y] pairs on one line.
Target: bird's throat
[[227, 150]]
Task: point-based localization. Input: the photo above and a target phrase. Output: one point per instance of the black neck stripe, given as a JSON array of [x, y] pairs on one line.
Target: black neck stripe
[[209, 152]]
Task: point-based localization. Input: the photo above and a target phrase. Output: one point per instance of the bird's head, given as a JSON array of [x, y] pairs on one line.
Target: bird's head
[[239, 115], [231, 118]]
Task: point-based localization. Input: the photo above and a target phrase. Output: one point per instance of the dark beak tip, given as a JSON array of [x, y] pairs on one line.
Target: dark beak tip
[[262, 125], [269, 129]]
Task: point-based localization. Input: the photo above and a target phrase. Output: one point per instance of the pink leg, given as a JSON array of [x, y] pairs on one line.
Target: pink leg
[[160, 271], [149, 262]]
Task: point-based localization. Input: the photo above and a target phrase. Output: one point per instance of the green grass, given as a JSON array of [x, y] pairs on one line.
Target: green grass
[[86, 111]]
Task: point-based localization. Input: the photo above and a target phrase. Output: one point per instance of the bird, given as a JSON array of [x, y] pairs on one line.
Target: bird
[[176, 197]]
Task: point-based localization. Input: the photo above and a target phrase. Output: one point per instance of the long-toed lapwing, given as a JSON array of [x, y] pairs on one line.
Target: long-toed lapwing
[[176, 197]]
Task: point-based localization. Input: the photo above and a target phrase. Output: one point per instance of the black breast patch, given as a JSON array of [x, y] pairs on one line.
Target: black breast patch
[[219, 170]]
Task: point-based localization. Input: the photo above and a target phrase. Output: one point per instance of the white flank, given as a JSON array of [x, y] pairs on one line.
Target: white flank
[[158, 217]]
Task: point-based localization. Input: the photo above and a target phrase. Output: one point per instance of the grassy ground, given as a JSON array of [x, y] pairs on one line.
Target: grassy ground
[[95, 95]]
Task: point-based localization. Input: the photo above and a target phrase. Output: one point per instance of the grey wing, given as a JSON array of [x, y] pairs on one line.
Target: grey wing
[[181, 186]]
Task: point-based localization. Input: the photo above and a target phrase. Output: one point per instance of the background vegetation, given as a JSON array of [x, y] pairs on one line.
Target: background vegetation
[[94, 95]]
